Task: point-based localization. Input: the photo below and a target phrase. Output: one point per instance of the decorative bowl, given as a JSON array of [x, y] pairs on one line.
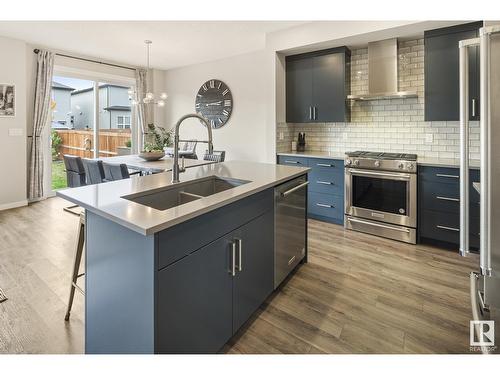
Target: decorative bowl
[[152, 155]]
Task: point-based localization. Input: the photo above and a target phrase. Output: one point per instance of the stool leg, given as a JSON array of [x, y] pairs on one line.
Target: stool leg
[[76, 264]]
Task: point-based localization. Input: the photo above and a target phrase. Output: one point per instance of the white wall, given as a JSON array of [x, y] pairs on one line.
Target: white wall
[[13, 148], [243, 137]]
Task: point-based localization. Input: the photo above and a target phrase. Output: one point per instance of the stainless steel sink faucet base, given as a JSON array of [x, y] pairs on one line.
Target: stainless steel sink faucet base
[[176, 170]]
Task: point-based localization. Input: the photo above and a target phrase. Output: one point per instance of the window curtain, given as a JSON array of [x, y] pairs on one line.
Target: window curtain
[[143, 110], [45, 67]]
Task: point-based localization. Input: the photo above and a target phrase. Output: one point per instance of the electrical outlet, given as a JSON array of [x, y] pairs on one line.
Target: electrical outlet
[[429, 138], [282, 136], [15, 132]]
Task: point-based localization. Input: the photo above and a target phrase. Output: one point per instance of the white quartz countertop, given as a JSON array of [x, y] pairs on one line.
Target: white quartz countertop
[[106, 199], [315, 154], [431, 162], [164, 164]]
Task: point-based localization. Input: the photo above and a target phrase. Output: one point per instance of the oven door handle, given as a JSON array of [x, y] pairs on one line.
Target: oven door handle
[[394, 176], [378, 225]]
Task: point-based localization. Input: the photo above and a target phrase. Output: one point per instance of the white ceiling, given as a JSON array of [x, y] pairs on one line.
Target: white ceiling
[[175, 43]]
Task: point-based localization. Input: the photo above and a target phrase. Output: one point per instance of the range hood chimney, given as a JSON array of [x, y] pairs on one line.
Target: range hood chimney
[[383, 72]]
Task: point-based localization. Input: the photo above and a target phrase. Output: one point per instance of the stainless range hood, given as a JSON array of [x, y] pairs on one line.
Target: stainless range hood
[[383, 72]]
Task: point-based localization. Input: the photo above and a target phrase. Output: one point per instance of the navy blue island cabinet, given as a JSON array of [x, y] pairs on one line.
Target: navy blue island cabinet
[[186, 289]]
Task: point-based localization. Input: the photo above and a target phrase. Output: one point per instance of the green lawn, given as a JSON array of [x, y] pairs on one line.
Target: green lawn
[[58, 175]]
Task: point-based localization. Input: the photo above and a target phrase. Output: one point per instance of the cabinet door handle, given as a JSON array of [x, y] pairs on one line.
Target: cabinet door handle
[[448, 228], [310, 113], [447, 175], [325, 165], [292, 162], [314, 113], [324, 205], [473, 107], [240, 249], [233, 260], [447, 199], [324, 182]]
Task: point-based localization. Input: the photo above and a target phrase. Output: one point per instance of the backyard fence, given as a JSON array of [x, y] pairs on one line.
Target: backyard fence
[[80, 142]]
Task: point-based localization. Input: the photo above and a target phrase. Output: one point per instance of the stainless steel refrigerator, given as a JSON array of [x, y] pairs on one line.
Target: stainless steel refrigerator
[[485, 282]]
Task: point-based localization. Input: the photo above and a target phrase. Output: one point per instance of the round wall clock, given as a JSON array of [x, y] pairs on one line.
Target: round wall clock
[[214, 101]]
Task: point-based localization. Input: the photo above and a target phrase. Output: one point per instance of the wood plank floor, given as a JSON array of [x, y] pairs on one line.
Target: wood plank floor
[[357, 294]]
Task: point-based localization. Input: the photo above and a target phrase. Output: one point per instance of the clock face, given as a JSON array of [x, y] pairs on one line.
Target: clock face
[[214, 102]]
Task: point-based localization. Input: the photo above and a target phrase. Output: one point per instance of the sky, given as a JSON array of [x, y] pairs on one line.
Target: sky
[[77, 84]]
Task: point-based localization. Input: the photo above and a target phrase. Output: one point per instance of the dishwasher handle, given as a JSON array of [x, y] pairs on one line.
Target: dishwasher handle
[[288, 192]]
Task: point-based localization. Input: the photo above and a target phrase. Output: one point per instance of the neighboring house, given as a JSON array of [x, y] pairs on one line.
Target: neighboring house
[[114, 107], [61, 96]]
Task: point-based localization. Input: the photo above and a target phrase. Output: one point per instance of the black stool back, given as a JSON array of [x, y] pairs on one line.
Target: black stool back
[[113, 172], [75, 172], [94, 171]]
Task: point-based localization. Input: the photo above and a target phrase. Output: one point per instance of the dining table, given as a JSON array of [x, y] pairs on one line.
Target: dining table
[[134, 162]]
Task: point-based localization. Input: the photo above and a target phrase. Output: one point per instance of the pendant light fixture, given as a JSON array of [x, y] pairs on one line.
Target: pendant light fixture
[[149, 97]]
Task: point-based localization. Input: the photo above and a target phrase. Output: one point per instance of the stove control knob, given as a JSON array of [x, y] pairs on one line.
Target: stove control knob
[[401, 166], [377, 163], [348, 162], [356, 162], [410, 166]]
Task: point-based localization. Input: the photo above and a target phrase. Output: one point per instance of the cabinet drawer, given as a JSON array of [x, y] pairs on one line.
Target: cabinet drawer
[[436, 199], [327, 205], [292, 160], [179, 241], [326, 164], [441, 175], [326, 182], [444, 226]]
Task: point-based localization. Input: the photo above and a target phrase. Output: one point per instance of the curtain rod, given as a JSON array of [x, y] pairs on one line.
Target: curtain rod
[[36, 50]]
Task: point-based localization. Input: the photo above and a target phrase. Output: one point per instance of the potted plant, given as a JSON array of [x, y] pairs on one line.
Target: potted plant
[[157, 139]]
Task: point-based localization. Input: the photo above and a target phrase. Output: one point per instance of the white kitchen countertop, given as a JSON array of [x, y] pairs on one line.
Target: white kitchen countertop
[[105, 199], [431, 162], [164, 164], [315, 154]]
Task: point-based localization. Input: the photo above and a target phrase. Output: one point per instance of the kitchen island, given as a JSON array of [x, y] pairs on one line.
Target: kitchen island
[[178, 268]]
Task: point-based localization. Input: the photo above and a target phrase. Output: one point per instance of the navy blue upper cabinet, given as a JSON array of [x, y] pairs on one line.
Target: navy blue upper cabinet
[[442, 73], [299, 90], [317, 85]]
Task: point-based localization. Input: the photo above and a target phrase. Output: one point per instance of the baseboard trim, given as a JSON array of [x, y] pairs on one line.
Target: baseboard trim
[[8, 206]]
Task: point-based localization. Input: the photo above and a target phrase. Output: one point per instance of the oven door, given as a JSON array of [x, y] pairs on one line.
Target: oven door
[[390, 197]]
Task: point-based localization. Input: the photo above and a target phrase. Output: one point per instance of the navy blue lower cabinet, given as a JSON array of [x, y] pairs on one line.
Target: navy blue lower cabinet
[[326, 187], [254, 277], [206, 296], [439, 207], [195, 309]]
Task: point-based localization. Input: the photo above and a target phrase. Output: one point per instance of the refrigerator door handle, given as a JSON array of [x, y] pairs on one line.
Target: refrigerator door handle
[[464, 142], [485, 134]]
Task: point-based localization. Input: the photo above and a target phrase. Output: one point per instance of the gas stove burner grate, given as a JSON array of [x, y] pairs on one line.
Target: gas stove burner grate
[[382, 155]]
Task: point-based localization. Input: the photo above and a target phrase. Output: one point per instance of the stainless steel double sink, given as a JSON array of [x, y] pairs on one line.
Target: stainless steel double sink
[[184, 192]]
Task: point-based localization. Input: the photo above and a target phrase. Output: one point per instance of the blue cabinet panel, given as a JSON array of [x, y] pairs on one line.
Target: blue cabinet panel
[[293, 161], [439, 205], [326, 205], [326, 186]]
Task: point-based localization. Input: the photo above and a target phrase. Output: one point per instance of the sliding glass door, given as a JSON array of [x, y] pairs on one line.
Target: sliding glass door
[[90, 119]]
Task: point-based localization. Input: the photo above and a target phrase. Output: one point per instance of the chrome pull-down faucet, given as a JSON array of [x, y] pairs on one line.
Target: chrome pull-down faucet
[[176, 169]]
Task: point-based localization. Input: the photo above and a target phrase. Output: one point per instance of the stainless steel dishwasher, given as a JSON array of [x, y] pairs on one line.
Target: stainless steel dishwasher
[[290, 223]]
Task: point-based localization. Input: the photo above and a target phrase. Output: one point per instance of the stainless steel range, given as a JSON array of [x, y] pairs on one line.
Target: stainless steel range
[[381, 194]]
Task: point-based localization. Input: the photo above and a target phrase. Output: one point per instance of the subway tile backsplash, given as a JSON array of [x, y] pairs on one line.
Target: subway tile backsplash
[[393, 125]]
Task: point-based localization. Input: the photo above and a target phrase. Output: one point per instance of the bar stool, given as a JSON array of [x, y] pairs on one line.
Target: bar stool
[[80, 241]]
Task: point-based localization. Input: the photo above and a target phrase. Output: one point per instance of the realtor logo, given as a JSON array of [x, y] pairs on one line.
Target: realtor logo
[[482, 333]]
